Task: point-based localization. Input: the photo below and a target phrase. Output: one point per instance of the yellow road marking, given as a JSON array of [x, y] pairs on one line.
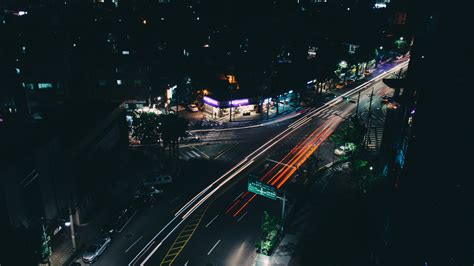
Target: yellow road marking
[[184, 236]]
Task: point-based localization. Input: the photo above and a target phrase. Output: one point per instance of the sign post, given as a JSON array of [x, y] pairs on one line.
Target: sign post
[[254, 185], [257, 187]]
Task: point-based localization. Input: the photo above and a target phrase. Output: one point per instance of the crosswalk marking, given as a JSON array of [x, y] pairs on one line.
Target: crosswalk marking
[[195, 153], [375, 138], [189, 154]]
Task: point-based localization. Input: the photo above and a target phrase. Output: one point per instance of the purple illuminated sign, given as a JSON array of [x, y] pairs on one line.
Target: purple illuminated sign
[[239, 102], [211, 101]]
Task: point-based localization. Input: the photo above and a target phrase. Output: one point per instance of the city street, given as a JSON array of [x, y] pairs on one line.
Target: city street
[[158, 231]]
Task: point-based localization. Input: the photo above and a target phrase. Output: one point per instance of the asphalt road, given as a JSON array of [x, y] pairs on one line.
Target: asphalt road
[[228, 240], [227, 227]]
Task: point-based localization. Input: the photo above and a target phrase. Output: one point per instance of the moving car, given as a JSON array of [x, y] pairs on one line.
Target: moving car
[[93, 252], [193, 108]]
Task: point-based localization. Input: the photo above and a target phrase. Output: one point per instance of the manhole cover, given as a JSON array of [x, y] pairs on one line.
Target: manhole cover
[[128, 236]]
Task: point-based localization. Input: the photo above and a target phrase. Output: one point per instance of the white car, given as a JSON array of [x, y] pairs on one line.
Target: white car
[[193, 108], [95, 250], [344, 149]]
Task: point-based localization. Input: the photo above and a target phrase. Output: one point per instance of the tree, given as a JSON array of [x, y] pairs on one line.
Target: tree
[[172, 127], [353, 133], [145, 127]]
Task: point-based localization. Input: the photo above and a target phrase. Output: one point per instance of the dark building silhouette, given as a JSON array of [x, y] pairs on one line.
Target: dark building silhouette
[[430, 213]]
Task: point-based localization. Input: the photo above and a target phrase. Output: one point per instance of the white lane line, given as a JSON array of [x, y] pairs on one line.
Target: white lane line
[[242, 217], [277, 162], [139, 255], [238, 196], [126, 223], [210, 251], [133, 244], [176, 198], [186, 264], [156, 248], [207, 225], [269, 143]]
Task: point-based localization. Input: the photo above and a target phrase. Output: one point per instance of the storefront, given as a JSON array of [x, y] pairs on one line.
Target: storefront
[[238, 107]]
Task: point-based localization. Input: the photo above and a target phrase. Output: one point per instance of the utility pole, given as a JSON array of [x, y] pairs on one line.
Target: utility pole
[[357, 107], [369, 114], [283, 206], [230, 107], [71, 221]]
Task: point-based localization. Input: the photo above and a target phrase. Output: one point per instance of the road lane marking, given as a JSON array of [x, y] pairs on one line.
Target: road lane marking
[[126, 223], [200, 152], [176, 198], [277, 162], [215, 245], [243, 164], [242, 217], [238, 196], [207, 225], [186, 264], [181, 241], [139, 255], [133, 244], [222, 152]]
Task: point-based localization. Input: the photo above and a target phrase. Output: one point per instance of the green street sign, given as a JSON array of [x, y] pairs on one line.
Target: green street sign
[[257, 187]]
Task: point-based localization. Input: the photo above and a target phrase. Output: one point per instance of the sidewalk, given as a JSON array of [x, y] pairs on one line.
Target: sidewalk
[[62, 251]]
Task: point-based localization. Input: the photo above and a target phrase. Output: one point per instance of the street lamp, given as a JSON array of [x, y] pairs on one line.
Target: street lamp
[[68, 223]]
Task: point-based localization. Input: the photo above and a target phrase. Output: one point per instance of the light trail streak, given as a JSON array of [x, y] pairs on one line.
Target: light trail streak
[[243, 206], [247, 161]]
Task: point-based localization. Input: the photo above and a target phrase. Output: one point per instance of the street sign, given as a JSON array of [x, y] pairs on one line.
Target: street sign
[[257, 187]]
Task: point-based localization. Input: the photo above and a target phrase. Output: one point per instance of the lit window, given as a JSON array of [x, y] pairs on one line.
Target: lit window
[[45, 85]]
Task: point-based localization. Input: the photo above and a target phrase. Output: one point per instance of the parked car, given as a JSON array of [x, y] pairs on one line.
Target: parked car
[[157, 180], [146, 191], [193, 108], [93, 252], [119, 220], [345, 149], [340, 85], [349, 81], [145, 195], [188, 137], [367, 73], [393, 105], [386, 99]]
